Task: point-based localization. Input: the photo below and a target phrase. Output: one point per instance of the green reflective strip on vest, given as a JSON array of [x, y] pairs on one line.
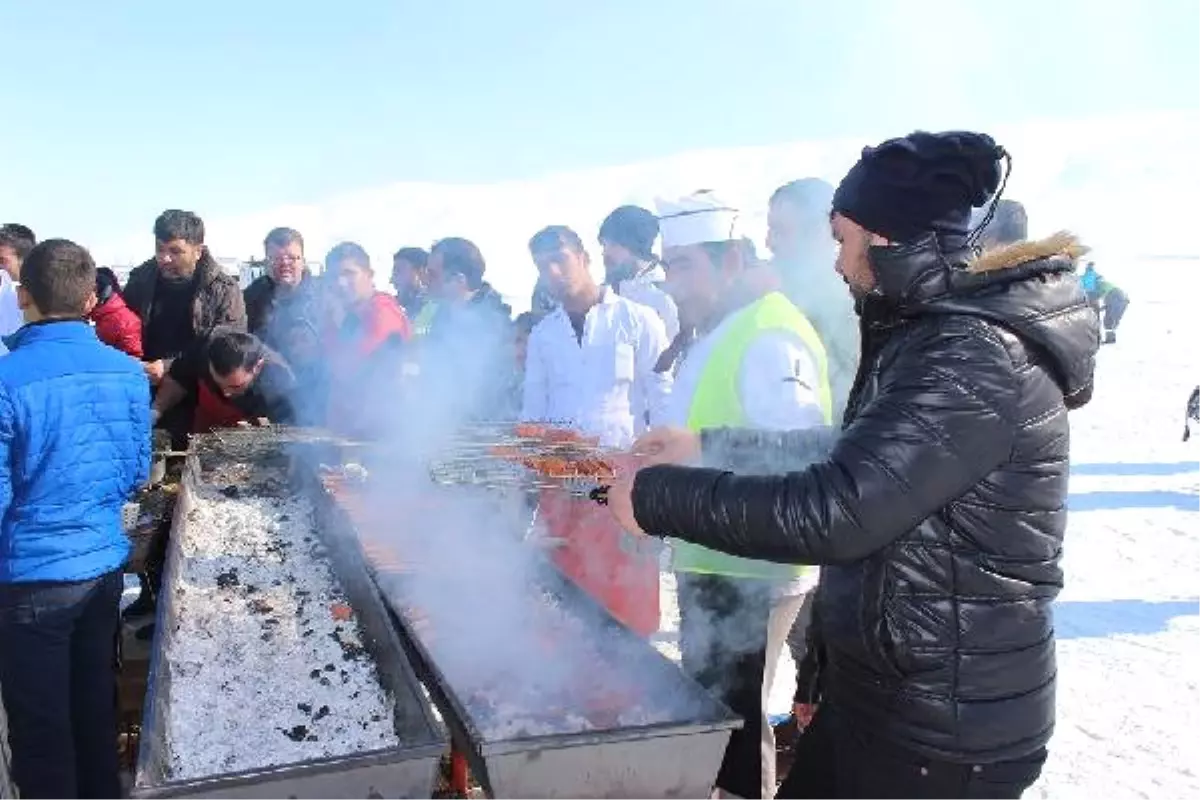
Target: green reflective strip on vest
[[424, 319], [717, 404]]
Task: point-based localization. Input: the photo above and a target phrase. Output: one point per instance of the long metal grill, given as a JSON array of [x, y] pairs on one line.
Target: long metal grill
[[555, 697]]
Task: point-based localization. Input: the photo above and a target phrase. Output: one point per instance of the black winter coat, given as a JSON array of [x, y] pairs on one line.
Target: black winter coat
[[217, 302], [940, 513]]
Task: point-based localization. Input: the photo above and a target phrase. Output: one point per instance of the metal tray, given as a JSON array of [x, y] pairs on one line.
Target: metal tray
[[679, 758], [405, 771]]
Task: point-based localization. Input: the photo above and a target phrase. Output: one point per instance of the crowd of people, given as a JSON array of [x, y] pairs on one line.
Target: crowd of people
[[856, 448]]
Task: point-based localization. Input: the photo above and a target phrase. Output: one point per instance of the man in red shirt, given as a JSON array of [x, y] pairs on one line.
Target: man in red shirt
[[365, 347]]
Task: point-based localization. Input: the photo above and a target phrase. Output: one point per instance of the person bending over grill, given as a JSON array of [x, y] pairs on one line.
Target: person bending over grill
[[234, 379]]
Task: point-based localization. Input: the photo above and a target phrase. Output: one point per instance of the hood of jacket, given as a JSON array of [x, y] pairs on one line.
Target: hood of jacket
[[113, 307], [1029, 288]]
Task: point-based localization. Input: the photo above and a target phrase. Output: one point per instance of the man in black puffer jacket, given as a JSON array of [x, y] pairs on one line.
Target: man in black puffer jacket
[[939, 514]]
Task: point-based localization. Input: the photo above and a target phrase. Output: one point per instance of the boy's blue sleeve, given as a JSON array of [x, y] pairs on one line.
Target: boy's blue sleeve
[[141, 427], [6, 448]]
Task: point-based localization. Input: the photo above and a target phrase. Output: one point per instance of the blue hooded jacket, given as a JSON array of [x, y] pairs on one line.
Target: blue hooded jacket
[[74, 446]]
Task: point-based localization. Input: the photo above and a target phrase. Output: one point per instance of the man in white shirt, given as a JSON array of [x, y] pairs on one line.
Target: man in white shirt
[[15, 243], [627, 240], [589, 365], [590, 362], [757, 363]]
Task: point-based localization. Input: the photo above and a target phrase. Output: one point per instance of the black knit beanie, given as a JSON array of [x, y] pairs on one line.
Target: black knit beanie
[[922, 183], [631, 227]]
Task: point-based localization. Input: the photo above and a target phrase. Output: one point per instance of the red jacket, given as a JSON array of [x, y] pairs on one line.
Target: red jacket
[[354, 367], [117, 326]]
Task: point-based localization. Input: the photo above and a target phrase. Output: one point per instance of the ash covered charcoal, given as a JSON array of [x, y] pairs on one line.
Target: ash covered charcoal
[[246, 645]]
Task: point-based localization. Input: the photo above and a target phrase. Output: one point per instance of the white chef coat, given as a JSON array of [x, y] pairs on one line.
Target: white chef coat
[[646, 289], [599, 385], [11, 316], [778, 387]]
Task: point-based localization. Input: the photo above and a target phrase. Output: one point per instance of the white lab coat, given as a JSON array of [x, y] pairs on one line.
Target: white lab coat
[[600, 385], [11, 317], [645, 289]]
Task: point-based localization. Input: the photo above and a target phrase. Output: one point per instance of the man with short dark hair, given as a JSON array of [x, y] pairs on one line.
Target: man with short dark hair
[[234, 378], [181, 294], [590, 364], [15, 243], [285, 282], [938, 516], [285, 309], [74, 447], [409, 265], [627, 238], [366, 345]]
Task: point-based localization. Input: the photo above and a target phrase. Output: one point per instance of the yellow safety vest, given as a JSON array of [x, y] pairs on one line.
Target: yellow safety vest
[[718, 404], [424, 318]]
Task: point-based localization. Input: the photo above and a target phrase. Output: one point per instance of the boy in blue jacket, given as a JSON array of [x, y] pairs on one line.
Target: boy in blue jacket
[[74, 446]]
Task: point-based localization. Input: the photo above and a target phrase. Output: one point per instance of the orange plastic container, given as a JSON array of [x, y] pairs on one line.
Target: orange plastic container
[[603, 560]]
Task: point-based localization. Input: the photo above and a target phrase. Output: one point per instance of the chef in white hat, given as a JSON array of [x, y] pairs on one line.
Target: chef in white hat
[[757, 363]]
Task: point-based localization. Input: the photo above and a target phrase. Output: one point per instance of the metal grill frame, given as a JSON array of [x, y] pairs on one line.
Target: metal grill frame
[[407, 770], [661, 760]]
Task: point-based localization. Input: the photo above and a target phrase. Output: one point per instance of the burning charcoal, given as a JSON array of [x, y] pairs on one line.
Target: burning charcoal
[[323, 712], [296, 734], [305, 707]]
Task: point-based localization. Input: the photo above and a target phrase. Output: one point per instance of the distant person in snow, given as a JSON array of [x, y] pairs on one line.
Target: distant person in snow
[[939, 515], [798, 238], [1192, 414], [116, 325], [16, 241], [1108, 300]]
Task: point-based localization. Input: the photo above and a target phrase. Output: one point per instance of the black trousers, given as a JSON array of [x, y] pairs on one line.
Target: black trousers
[[723, 644], [835, 758], [59, 685]]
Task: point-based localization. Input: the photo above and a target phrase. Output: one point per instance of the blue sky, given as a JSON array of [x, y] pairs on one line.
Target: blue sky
[[115, 111]]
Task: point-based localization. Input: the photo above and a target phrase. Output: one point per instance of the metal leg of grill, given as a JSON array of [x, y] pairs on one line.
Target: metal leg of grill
[[458, 773]]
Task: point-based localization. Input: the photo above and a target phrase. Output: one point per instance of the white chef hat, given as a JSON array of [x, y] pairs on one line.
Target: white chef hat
[[697, 218]]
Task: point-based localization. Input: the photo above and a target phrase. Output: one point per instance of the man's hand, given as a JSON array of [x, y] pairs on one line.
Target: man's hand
[[667, 446], [620, 502], [155, 370], [804, 713]]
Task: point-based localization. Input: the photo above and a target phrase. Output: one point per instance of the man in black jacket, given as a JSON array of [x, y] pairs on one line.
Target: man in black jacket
[[939, 515]]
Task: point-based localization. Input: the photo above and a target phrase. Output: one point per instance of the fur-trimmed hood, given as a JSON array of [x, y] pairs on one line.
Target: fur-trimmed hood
[[1028, 287], [1063, 244]]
